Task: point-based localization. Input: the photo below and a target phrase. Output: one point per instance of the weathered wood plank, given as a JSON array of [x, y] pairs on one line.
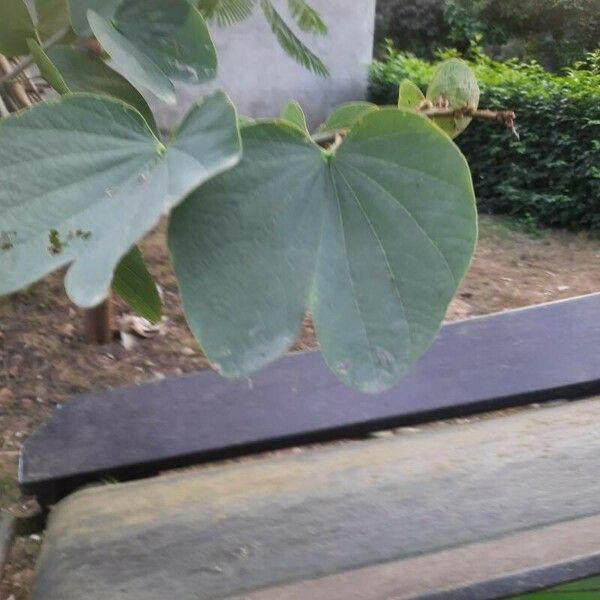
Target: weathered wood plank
[[458, 506], [497, 568], [536, 354]]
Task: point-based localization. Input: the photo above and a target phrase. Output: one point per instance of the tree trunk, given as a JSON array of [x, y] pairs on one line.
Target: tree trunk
[[98, 323]]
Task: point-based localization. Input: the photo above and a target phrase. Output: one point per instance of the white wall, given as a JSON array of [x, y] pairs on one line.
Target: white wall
[[260, 77]]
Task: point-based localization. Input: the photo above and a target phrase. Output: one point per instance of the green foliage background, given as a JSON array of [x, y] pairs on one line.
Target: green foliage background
[[554, 32], [551, 176]]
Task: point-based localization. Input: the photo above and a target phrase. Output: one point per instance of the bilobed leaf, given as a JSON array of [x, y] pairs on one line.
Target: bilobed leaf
[[373, 238], [292, 113], [69, 70], [346, 115], [410, 96], [454, 81], [156, 42], [15, 27], [133, 283], [101, 181]]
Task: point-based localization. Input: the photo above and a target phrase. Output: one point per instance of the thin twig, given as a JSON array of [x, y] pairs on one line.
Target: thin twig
[[326, 138], [3, 108], [505, 117], [57, 37], [490, 115], [10, 103], [15, 89]]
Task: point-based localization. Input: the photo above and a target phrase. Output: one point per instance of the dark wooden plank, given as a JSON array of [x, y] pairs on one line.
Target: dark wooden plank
[[536, 354], [472, 511]]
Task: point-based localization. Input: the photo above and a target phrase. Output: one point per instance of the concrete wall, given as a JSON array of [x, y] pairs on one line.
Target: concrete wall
[[260, 77]]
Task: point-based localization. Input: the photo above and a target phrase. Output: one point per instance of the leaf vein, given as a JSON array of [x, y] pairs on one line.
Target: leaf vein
[[412, 217]]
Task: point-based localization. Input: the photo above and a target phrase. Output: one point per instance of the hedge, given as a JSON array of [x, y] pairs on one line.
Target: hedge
[[551, 176]]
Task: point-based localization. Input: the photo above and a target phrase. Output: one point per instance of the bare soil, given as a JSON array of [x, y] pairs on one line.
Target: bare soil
[[44, 358]]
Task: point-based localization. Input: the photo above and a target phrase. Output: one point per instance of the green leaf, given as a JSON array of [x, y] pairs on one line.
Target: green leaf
[[454, 81], [15, 27], [135, 65], [245, 121], [78, 10], [410, 96], [52, 15], [47, 68], [226, 12], [244, 249], [100, 181], [290, 42], [373, 239], [292, 113], [69, 70], [156, 42], [346, 115], [307, 17], [173, 34], [134, 284], [397, 239]]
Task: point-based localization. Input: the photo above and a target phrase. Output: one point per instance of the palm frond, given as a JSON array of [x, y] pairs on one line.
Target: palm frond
[[289, 41], [307, 17], [226, 12]]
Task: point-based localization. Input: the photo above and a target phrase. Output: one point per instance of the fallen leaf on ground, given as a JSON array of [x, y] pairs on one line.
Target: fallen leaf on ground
[[138, 326]]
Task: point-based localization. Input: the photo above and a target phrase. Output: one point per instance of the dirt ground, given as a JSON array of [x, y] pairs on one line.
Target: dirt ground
[[44, 358]]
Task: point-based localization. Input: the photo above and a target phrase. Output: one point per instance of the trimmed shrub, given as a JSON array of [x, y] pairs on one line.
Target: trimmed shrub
[[551, 176]]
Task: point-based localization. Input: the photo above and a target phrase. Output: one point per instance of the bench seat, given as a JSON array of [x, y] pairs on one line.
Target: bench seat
[[482, 509]]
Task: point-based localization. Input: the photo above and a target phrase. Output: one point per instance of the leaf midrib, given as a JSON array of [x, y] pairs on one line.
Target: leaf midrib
[[350, 277]]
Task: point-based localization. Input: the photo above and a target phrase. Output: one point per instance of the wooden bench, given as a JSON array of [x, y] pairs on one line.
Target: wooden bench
[[457, 511], [501, 505], [531, 355]]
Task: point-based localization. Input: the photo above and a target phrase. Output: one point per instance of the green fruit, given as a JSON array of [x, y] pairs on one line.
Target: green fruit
[[454, 82]]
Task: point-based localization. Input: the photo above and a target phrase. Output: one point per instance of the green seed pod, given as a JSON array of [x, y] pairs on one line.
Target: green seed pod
[[453, 82]]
